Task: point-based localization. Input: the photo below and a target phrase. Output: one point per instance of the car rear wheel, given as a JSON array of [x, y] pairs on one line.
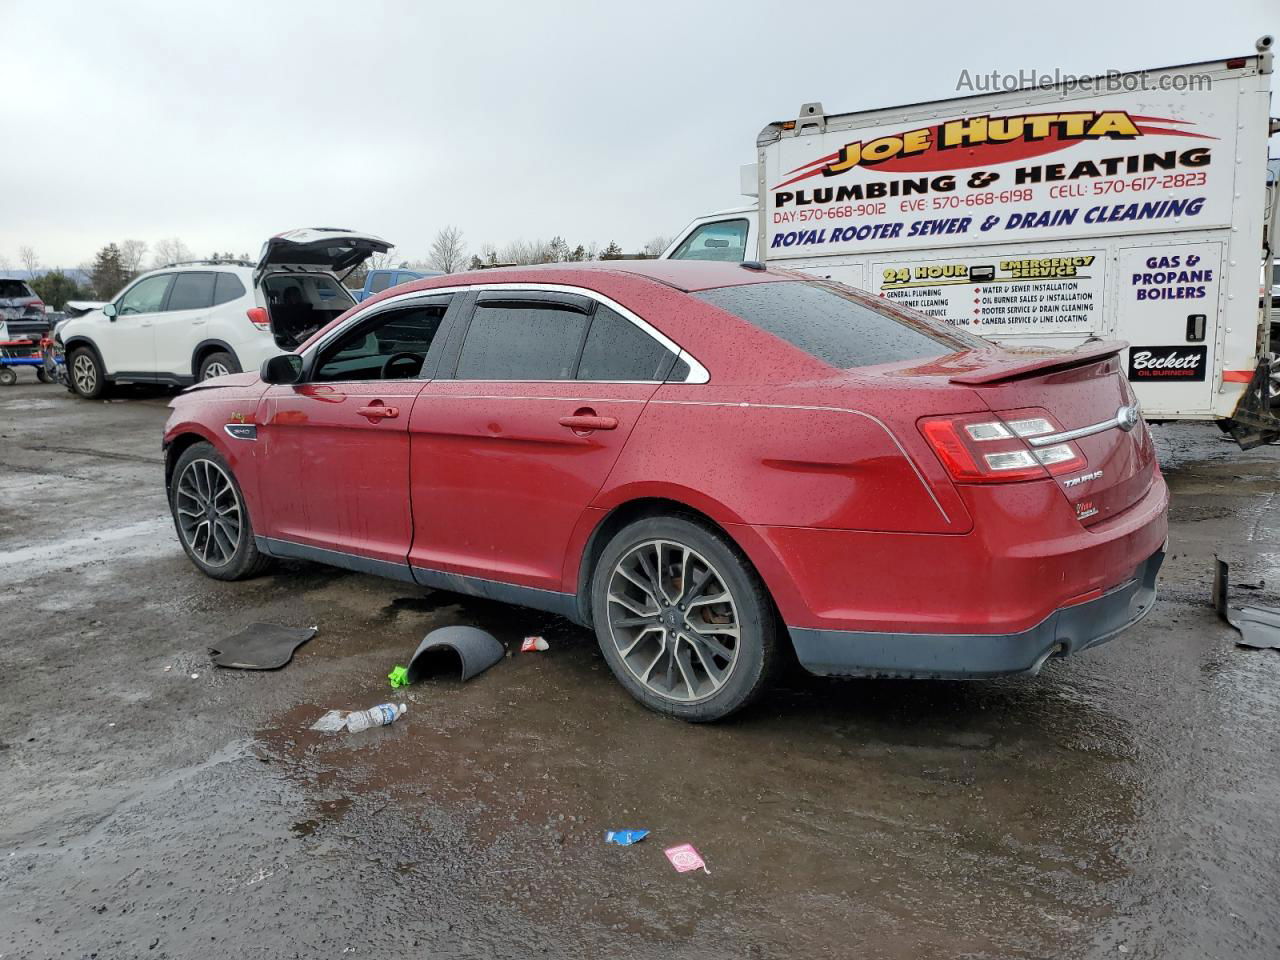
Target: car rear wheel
[[218, 364], [682, 619], [210, 516], [87, 376]]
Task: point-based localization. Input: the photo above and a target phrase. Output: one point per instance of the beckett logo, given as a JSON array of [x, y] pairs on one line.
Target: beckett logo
[[1167, 363]]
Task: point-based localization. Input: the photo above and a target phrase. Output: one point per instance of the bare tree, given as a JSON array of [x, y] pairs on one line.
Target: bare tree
[[171, 250], [132, 253], [448, 251], [382, 261], [655, 246], [29, 260]]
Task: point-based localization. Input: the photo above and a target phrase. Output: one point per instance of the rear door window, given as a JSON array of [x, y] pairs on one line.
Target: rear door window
[[523, 339], [617, 349], [227, 288], [191, 291], [837, 325], [381, 280], [723, 240]]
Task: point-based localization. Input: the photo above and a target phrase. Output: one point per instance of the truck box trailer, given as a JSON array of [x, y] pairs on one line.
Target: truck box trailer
[[1131, 207]]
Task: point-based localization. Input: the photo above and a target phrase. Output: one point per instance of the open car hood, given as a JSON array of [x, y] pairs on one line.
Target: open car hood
[[330, 248]]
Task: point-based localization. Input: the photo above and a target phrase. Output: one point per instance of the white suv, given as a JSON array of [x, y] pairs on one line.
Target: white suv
[[192, 321]]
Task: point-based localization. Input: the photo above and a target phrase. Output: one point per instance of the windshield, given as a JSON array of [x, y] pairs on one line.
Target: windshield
[[839, 325], [13, 289]]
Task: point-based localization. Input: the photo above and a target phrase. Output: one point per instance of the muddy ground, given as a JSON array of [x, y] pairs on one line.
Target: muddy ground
[[1125, 802]]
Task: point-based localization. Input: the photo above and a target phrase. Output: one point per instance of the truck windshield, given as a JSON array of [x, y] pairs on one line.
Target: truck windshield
[[838, 325], [724, 240]]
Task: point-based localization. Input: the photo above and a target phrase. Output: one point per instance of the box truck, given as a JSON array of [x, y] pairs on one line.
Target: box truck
[[1131, 206]]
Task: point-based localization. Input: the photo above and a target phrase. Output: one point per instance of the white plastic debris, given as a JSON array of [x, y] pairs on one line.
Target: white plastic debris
[[331, 722], [532, 644]]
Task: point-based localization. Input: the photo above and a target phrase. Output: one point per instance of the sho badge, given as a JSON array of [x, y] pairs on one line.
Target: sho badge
[[1167, 363], [242, 431]]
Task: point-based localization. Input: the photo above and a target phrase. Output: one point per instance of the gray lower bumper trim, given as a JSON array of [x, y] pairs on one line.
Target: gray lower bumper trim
[[844, 653]]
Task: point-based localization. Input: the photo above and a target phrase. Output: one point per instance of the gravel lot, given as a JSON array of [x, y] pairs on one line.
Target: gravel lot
[[152, 805]]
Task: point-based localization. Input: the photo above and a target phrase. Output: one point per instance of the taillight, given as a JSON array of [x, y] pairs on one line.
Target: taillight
[[259, 318], [36, 305], [989, 448]]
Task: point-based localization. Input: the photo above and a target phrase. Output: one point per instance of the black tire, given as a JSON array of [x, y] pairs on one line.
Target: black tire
[[756, 651], [8, 376], [219, 358], [240, 563], [41, 375], [87, 378]]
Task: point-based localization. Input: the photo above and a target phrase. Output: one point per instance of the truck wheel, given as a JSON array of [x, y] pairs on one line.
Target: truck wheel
[[8, 376], [87, 376], [682, 619], [42, 376], [218, 364]]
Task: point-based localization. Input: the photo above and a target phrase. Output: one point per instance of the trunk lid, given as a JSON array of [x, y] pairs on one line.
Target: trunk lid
[[1086, 393], [334, 249]]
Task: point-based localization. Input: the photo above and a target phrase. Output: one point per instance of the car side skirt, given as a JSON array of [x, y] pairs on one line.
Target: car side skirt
[[139, 376], [563, 604], [847, 653]]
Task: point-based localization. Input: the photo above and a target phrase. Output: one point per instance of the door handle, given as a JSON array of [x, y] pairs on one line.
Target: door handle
[[379, 411], [586, 422]]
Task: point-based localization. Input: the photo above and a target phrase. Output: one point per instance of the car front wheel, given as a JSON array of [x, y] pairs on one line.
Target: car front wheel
[[210, 516], [682, 619], [87, 376]]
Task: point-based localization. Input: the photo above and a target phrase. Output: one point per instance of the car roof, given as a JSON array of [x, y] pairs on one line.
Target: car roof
[[689, 276]]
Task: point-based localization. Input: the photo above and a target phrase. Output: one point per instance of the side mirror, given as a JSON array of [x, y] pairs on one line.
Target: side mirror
[[285, 368], [109, 311]]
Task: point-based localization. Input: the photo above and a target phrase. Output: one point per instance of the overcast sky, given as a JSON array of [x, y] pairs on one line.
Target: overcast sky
[[225, 123]]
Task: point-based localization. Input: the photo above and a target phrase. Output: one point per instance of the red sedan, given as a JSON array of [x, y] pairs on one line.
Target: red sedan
[[700, 461]]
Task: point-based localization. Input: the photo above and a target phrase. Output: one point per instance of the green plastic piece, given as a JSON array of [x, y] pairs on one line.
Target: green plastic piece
[[399, 677]]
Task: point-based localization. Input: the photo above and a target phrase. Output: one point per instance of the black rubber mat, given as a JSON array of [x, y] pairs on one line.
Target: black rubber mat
[[261, 646]]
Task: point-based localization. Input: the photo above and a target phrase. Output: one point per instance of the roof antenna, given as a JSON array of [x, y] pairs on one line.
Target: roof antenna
[[752, 265]]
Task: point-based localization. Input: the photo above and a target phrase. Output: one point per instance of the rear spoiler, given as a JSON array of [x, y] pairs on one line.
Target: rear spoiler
[[996, 366]]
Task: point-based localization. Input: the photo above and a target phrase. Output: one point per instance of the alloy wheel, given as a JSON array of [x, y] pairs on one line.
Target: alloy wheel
[[673, 620], [216, 369], [84, 373], [208, 511]]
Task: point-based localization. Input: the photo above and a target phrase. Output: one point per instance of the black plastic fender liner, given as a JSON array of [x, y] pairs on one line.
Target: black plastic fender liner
[[441, 649]]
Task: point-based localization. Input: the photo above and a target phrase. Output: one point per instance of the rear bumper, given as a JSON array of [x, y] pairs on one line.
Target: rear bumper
[[923, 655]]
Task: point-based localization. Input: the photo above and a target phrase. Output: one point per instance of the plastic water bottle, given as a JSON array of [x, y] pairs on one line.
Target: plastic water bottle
[[378, 716]]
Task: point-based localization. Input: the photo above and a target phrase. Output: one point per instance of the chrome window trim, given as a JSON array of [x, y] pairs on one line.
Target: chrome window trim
[[697, 372]]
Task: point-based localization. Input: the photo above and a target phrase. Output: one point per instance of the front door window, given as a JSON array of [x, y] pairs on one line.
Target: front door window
[[145, 296]]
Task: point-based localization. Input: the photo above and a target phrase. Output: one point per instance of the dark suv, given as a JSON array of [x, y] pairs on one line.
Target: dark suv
[[22, 311]]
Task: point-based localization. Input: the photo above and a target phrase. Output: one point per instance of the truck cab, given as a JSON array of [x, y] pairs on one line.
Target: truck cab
[[727, 235]]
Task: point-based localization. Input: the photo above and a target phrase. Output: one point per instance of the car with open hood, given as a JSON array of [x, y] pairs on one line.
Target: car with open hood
[[703, 462], [187, 322]]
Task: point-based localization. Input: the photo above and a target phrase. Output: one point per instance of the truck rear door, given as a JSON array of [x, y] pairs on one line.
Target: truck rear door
[[1167, 310]]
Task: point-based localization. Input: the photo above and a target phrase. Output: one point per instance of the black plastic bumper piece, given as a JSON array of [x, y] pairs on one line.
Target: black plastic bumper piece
[[844, 653]]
